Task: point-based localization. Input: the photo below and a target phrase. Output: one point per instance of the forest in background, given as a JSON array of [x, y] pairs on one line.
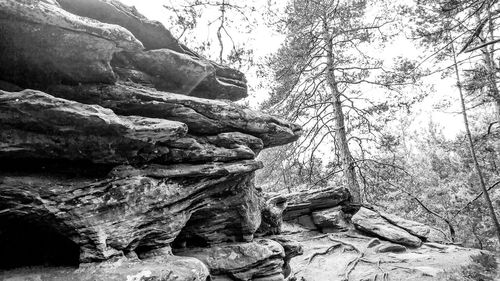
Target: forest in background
[[380, 88]]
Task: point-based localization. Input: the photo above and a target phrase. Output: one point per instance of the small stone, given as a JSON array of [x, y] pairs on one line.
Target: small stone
[[391, 248], [330, 220]]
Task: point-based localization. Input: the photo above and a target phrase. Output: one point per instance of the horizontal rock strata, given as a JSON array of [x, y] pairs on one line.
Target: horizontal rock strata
[[304, 203], [202, 116], [43, 44], [119, 145]]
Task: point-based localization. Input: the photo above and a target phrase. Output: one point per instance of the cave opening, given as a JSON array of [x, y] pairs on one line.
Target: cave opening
[[30, 242]]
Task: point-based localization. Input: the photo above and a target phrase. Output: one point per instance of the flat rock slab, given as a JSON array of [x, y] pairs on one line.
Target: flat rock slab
[[167, 268], [372, 222], [415, 264]]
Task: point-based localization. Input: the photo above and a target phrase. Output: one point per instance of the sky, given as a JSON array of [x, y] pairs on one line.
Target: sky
[[265, 41]]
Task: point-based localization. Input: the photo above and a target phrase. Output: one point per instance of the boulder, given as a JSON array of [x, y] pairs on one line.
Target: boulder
[[152, 34], [43, 44], [373, 223], [261, 259], [304, 203], [180, 73], [418, 229], [166, 64], [330, 220]]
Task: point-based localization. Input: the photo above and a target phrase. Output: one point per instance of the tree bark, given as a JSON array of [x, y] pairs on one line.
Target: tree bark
[[347, 161], [472, 150]]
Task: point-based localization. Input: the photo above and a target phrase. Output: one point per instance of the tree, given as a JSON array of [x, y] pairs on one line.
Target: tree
[[319, 73], [221, 21], [444, 24], [473, 150], [472, 25]]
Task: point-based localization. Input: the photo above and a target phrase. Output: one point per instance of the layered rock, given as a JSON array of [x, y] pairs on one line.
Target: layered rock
[[123, 147], [152, 34], [372, 222], [44, 44], [304, 203], [258, 260], [349, 250]]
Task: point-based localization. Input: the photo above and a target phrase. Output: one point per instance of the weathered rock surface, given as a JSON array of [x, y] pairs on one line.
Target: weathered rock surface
[[202, 116], [330, 220], [323, 260], [103, 168], [131, 212], [34, 125], [43, 44], [181, 73], [304, 203], [373, 223], [391, 248], [272, 216], [257, 260], [418, 229], [152, 34], [166, 268]]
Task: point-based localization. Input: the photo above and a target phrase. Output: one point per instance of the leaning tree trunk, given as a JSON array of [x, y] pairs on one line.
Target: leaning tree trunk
[[472, 150], [346, 158], [489, 58]]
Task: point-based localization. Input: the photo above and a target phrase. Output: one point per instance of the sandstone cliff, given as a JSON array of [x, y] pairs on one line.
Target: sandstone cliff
[[119, 146]]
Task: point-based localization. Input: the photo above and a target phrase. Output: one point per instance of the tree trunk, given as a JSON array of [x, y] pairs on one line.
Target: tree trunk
[[489, 60], [347, 161], [472, 150]]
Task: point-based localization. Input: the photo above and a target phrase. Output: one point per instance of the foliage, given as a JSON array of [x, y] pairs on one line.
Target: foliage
[[482, 268], [219, 32]]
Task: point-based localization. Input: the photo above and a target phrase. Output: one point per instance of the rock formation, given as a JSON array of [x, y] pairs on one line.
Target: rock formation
[[121, 157], [343, 241]]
